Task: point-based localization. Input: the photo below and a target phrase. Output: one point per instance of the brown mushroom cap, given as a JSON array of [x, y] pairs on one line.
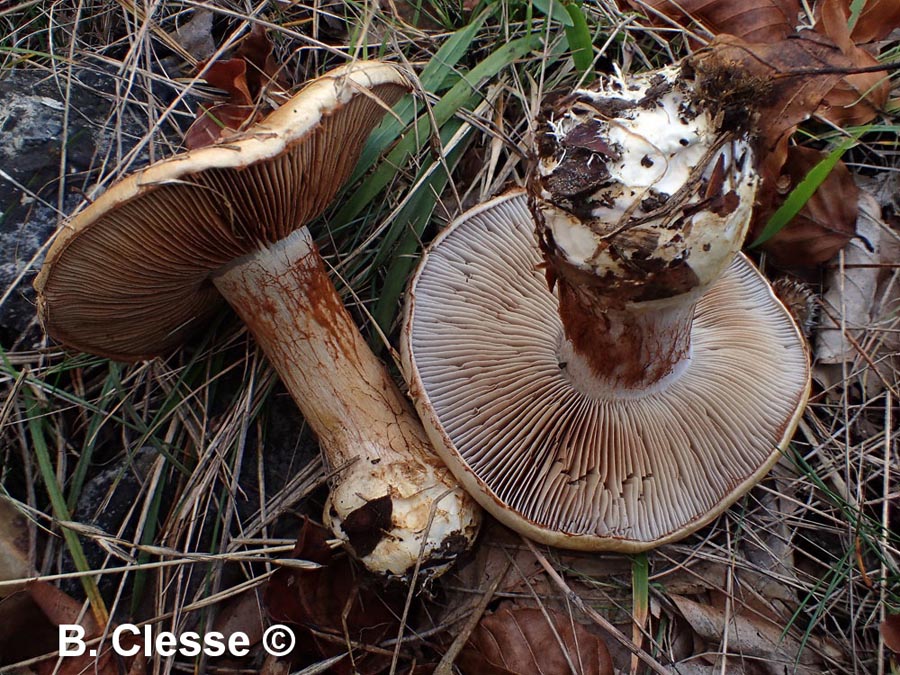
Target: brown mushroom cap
[[484, 352], [129, 277]]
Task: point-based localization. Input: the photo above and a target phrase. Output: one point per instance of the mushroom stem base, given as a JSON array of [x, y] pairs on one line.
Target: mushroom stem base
[[392, 497]]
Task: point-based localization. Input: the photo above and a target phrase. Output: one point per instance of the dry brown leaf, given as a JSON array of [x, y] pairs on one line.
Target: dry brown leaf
[[242, 614], [824, 225], [330, 604], [864, 298], [522, 640], [244, 78], [890, 632], [214, 122], [748, 636], [772, 79], [262, 70], [25, 632], [230, 75], [501, 548], [751, 20], [217, 121], [876, 21], [856, 98], [60, 608], [14, 547]]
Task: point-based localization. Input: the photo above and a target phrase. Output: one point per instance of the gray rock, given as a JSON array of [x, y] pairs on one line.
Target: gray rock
[[21, 253], [32, 110]]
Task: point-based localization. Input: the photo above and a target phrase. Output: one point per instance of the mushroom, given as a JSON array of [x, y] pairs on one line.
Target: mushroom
[[621, 380], [149, 261]]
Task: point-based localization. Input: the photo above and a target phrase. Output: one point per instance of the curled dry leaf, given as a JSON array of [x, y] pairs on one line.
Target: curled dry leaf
[[60, 608], [864, 299], [878, 19], [749, 636], [826, 222], [521, 640], [244, 78], [230, 76], [773, 79], [856, 97], [243, 614], [788, 61], [757, 21], [330, 605], [214, 122], [890, 632]]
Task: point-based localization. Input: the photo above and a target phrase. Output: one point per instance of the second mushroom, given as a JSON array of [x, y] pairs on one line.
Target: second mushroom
[[149, 261], [622, 378]]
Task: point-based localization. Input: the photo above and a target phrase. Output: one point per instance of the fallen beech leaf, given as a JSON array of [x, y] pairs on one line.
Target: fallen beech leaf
[[851, 98], [855, 98], [13, 547], [60, 608], [522, 641], [823, 226], [890, 632], [256, 50], [862, 297], [242, 614], [25, 632], [754, 21], [215, 122], [771, 79], [330, 605], [244, 78], [230, 75], [748, 636], [876, 21]]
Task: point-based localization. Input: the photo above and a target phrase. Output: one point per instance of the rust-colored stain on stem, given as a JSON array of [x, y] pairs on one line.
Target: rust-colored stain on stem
[[624, 347]]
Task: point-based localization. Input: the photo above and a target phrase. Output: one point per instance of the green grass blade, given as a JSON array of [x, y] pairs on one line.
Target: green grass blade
[[801, 194], [555, 10], [578, 35], [411, 222], [856, 8], [100, 417], [60, 508], [434, 77], [148, 537], [640, 593], [461, 95]]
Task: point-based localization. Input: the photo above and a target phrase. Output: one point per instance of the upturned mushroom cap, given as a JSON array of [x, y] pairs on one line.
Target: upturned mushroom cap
[[484, 351], [129, 277]]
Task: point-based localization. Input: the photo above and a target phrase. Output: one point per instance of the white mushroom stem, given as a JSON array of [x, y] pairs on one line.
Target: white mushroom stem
[[392, 498]]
